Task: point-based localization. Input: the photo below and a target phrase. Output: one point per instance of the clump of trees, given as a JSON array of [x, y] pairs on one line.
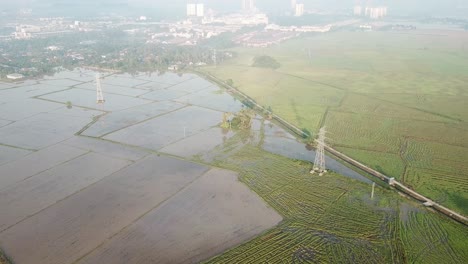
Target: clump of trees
[[265, 62], [107, 49], [227, 119], [248, 103], [306, 133], [243, 119], [222, 41]]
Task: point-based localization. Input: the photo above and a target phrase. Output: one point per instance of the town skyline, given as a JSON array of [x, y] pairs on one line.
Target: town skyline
[[400, 7]]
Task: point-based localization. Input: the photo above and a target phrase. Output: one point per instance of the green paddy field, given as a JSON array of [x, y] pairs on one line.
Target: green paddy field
[[333, 219], [397, 101]]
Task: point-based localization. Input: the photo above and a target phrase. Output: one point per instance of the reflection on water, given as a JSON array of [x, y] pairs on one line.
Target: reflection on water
[[279, 141]]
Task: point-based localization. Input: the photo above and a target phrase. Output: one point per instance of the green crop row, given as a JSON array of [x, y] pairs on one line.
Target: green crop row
[[332, 219]]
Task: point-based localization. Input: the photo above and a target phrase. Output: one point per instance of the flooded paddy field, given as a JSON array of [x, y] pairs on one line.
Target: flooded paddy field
[[212, 98], [61, 82], [5, 122], [113, 89], [31, 195], [21, 108], [123, 81], [81, 97], [198, 143], [118, 120], [8, 153], [168, 79], [195, 224], [79, 180], [35, 163], [171, 127], [43, 129], [28, 90], [4, 85], [192, 85], [163, 94], [104, 147], [73, 227]]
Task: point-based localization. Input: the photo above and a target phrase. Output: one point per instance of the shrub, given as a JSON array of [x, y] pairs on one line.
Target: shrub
[[266, 62]]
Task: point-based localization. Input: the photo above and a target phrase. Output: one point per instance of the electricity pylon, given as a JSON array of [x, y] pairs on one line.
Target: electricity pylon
[[319, 162], [215, 57], [100, 96]]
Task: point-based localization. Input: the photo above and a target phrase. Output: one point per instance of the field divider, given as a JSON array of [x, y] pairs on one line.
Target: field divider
[[391, 181]]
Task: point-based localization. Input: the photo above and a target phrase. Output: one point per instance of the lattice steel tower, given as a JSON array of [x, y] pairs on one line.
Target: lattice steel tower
[[100, 96], [319, 162], [214, 57]]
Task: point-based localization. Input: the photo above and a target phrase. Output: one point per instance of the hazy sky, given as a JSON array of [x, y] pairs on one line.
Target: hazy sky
[[428, 7]]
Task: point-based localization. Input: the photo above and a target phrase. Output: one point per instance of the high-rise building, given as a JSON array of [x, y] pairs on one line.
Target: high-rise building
[[293, 4], [248, 4], [299, 10], [375, 12], [191, 9], [367, 11], [200, 10], [358, 10], [195, 9]]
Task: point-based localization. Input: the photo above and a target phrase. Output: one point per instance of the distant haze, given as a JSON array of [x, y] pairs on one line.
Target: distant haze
[[396, 7]]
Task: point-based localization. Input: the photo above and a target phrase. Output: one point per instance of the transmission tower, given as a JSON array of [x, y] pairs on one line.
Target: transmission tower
[[319, 162], [215, 60], [100, 97]]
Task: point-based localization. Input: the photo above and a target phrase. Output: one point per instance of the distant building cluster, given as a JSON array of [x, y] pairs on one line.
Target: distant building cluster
[[252, 19], [47, 26], [25, 31], [195, 10], [275, 34], [371, 12], [299, 10], [248, 5], [263, 39], [25, 12], [15, 76], [301, 29], [365, 27], [358, 10], [376, 12]]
